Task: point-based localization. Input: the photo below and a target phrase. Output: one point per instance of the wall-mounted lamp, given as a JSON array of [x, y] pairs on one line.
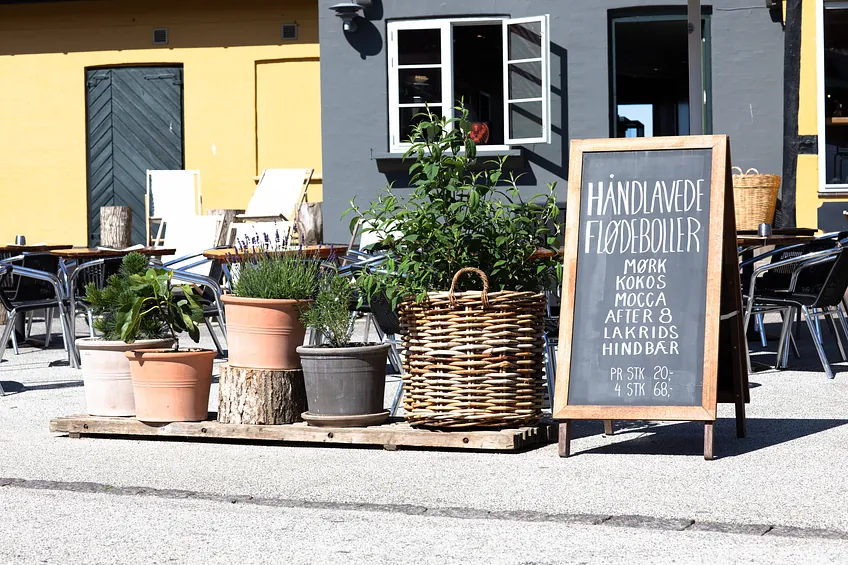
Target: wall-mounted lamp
[[349, 11]]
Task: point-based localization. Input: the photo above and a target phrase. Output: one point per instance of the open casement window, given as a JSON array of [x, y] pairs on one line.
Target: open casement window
[[527, 80], [499, 68]]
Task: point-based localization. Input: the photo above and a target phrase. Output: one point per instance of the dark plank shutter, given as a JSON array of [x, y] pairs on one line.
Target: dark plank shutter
[[134, 124]]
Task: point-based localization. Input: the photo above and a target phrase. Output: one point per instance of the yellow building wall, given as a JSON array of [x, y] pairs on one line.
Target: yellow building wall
[[46, 48], [288, 97], [807, 199], [808, 87]]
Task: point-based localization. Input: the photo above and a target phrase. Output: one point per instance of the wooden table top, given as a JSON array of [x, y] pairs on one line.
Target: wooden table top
[[752, 240], [321, 251], [95, 253], [31, 248], [781, 231]]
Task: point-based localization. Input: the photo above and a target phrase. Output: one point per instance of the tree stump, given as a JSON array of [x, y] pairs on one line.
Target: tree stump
[[116, 226], [310, 223], [225, 234], [260, 396]]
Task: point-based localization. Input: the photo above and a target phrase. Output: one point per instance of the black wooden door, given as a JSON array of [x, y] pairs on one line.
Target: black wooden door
[[134, 124]]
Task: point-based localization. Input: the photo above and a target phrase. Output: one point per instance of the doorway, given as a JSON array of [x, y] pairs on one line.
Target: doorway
[[134, 123], [649, 71]]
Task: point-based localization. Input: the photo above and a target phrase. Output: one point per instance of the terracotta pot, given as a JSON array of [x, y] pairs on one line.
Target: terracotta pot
[[264, 333], [106, 374], [171, 386]]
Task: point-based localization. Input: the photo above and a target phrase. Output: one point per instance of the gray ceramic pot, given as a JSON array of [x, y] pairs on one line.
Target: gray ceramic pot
[[344, 381]]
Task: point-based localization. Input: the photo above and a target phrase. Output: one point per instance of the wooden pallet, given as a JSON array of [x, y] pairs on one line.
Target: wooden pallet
[[390, 436]]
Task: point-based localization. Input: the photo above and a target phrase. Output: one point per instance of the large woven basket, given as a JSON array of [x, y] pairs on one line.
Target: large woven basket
[[754, 197], [473, 358]]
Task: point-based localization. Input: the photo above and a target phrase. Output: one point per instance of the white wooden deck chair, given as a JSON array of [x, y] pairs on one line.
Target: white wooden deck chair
[[273, 207], [170, 195], [191, 236], [277, 195]]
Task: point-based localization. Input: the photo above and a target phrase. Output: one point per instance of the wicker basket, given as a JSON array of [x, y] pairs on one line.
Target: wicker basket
[[754, 197], [473, 358]]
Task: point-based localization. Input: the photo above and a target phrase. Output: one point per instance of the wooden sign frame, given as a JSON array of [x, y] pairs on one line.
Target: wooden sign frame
[[721, 231]]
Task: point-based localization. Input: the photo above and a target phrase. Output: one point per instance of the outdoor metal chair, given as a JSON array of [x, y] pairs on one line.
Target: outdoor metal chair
[[386, 323], [95, 272], [377, 312], [191, 237], [773, 278], [550, 336], [816, 288], [778, 278], [36, 286]]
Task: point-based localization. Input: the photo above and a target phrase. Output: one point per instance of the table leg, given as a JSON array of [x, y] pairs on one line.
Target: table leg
[[564, 444], [708, 440]]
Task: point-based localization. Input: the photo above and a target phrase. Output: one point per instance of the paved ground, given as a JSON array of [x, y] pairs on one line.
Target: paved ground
[[643, 495]]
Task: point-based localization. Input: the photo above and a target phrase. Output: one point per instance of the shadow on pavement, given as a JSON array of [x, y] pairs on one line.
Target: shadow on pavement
[[687, 438], [14, 387]]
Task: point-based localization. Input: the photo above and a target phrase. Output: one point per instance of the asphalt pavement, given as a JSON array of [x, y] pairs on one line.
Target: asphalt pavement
[[644, 495]]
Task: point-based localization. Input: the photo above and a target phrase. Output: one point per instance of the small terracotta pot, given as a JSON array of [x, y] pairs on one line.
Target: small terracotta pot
[[171, 386], [106, 374], [264, 333]]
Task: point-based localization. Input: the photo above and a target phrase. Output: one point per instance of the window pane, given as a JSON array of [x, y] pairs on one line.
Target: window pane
[[525, 40], [525, 80], [478, 80], [410, 117], [419, 46], [420, 86], [836, 96], [636, 120], [525, 120], [651, 70]]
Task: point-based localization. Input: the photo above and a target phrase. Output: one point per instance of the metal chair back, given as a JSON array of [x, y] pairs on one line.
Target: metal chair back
[[19, 289], [834, 284]]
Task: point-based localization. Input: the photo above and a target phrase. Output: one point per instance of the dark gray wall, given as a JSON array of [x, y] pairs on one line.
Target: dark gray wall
[[747, 78]]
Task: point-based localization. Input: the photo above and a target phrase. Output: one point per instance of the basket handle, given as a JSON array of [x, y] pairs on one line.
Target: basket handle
[[748, 172], [734, 169], [459, 273]]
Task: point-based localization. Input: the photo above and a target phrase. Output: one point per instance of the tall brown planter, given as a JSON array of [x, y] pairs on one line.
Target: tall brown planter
[[264, 333], [171, 386]]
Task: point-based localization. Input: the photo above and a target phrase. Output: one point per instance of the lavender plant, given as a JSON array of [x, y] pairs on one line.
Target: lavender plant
[[271, 269]]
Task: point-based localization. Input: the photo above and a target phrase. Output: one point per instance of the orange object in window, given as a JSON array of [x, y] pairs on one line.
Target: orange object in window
[[479, 132]]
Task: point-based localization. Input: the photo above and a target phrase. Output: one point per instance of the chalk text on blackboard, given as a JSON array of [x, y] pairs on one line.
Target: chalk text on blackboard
[[676, 232]]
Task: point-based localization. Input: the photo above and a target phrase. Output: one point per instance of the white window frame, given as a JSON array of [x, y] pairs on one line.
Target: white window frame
[[824, 186], [446, 25], [544, 60]]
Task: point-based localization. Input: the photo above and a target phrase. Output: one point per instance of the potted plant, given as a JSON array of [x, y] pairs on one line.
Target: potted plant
[[474, 344], [170, 385], [345, 382], [105, 368], [263, 311]]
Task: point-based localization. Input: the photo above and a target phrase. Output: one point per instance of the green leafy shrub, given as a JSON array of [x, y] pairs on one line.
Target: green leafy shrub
[[262, 272], [458, 214], [156, 296], [119, 295], [329, 314]]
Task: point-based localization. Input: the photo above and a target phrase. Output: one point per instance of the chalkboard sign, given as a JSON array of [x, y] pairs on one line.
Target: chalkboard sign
[[642, 286]]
